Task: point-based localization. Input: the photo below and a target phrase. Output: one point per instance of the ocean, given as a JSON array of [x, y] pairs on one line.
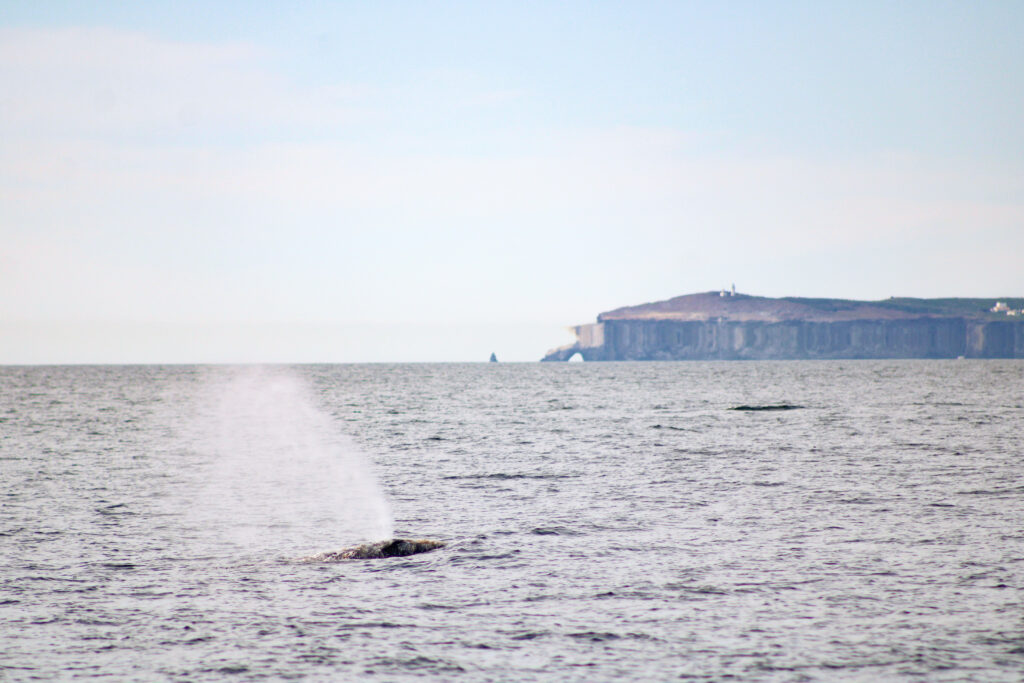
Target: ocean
[[603, 521]]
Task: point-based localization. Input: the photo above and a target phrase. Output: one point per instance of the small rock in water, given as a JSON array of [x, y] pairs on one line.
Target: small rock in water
[[395, 547]]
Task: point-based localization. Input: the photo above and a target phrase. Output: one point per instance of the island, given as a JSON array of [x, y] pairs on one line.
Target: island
[[725, 325]]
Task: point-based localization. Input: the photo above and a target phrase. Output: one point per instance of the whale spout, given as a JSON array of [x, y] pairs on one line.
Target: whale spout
[[395, 547]]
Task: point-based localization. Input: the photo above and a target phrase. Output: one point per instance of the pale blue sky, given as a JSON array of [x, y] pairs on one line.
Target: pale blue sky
[[181, 182]]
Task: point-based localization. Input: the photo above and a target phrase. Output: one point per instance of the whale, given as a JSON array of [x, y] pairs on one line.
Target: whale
[[395, 547]]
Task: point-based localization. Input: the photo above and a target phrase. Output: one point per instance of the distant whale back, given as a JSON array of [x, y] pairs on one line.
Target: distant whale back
[[395, 547]]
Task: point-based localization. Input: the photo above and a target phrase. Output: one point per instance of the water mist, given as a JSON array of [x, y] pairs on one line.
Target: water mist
[[280, 475]]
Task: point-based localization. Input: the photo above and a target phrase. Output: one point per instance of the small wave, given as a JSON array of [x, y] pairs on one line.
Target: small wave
[[192, 641], [530, 635], [554, 531], [594, 636], [232, 669], [417, 663], [116, 509], [354, 626], [88, 621], [993, 492], [471, 559], [707, 590], [509, 475], [432, 606]]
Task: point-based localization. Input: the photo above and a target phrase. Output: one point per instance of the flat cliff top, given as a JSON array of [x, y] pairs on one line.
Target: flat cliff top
[[744, 307]]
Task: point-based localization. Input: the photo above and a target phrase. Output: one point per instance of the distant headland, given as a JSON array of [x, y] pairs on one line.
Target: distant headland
[[725, 325]]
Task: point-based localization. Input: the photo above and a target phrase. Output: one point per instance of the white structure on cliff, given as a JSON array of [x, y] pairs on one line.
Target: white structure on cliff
[[1003, 307]]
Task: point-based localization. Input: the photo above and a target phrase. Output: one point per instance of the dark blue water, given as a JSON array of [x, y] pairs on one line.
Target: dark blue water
[[604, 522]]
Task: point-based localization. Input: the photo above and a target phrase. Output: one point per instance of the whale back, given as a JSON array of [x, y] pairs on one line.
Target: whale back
[[395, 547]]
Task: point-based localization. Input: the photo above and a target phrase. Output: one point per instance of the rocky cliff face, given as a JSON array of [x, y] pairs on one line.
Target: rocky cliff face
[[760, 335]]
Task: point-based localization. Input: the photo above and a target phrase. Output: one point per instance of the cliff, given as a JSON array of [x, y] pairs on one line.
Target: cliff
[[722, 326]]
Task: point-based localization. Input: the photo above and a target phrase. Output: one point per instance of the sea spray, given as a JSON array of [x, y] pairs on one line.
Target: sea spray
[[280, 476]]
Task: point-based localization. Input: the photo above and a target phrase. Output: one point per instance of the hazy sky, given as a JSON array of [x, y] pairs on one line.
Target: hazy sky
[[435, 180]]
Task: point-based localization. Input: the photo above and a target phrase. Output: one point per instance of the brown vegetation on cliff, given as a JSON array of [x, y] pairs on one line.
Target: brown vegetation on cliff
[[744, 307]]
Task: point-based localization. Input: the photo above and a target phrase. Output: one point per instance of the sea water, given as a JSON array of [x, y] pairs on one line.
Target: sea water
[[614, 521]]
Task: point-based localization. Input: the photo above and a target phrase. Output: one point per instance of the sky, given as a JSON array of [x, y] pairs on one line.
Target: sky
[[434, 181]]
